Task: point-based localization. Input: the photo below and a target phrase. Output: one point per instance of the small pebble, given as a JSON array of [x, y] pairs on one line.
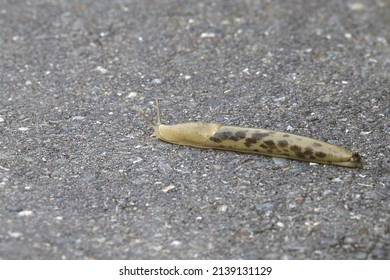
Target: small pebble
[[168, 188], [337, 180], [136, 160], [101, 69], [207, 35], [222, 208], [176, 243], [14, 208], [356, 6], [279, 161], [15, 234], [25, 213], [77, 118], [265, 207], [157, 81], [132, 94], [360, 256], [280, 224]]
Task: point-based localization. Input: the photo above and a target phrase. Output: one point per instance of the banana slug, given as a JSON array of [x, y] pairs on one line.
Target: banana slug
[[252, 140]]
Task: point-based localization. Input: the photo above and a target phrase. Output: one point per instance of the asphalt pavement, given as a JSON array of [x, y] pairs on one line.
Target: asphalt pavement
[[80, 177]]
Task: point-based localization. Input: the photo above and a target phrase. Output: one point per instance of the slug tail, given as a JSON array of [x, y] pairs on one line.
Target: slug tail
[[354, 161]]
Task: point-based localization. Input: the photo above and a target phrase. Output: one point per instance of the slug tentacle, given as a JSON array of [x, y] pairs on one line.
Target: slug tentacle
[[149, 121], [251, 140]]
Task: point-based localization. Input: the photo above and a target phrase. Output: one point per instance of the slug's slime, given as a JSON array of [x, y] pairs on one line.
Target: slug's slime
[[252, 140]]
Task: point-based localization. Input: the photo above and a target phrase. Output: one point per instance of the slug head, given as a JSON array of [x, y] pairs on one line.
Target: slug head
[[183, 134]]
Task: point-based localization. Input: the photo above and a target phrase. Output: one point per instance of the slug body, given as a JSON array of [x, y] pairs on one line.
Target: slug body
[[253, 140]]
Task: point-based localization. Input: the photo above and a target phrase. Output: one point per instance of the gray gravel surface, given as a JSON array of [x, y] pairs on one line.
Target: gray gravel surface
[[80, 178]]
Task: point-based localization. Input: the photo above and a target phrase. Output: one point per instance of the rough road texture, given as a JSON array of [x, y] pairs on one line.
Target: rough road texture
[[80, 178]]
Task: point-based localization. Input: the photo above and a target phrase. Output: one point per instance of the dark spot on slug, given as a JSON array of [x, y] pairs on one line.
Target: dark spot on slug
[[217, 140], [298, 151], [238, 136], [300, 154], [295, 148], [250, 141], [256, 150], [286, 135], [283, 143], [254, 138], [264, 146], [308, 151], [225, 135], [234, 138], [316, 144], [320, 154], [259, 136], [270, 144], [220, 136]]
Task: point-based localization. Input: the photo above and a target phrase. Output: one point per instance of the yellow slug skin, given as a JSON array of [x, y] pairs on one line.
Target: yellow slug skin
[[260, 141], [252, 140]]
